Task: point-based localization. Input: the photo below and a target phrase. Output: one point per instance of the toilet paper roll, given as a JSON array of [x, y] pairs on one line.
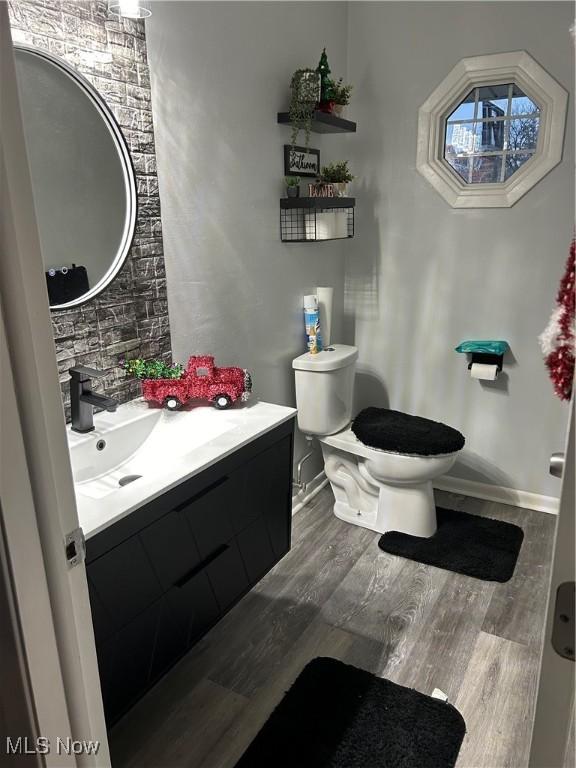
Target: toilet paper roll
[[484, 371], [325, 299], [320, 226]]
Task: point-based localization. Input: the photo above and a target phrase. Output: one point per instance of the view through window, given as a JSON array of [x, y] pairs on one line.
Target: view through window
[[491, 133]]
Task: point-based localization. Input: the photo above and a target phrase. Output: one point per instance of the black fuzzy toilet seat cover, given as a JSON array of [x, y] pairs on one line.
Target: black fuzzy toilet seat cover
[[402, 433]]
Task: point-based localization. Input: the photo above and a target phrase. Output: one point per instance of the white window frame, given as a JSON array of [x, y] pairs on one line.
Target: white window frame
[[495, 69]]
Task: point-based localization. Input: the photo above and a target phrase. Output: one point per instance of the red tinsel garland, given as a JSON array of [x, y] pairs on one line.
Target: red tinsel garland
[[557, 341]]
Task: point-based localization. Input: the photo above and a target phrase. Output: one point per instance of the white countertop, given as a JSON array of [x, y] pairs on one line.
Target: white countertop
[[168, 458]]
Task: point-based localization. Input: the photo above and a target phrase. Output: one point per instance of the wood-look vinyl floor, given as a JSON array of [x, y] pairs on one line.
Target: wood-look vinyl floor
[[336, 594]]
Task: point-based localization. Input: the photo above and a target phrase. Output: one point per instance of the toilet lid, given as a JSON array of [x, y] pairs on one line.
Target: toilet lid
[[402, 433]]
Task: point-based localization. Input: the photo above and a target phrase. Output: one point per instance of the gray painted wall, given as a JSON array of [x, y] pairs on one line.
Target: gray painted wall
[[220, 72], [419, 276], [423, 276]]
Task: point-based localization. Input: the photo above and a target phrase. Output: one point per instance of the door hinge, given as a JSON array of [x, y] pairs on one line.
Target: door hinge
[[75, 545], [563, 625]]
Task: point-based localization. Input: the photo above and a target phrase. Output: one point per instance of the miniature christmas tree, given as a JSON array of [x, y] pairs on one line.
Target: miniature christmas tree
[[326, 83], [152, 369]]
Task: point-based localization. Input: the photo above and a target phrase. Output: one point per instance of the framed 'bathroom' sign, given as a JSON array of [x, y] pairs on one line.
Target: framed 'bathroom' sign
[[301, 161]]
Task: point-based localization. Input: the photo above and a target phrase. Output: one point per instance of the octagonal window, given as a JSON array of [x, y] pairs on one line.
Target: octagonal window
[[491, 133], [491, 130]]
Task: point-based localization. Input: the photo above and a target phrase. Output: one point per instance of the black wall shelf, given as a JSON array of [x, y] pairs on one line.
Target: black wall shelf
[[322, 122], [317, 202]]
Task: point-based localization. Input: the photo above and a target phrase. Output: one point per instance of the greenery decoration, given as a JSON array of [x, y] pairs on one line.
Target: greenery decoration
[[303, 101], [336, 173], [292, 181], [341, 93], [152, 369]]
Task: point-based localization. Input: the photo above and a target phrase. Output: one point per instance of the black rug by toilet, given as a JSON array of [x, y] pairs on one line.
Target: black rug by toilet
[[338, 716], [474, 546]]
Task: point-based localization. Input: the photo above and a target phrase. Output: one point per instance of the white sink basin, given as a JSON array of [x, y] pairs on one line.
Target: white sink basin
[[138, 453], [136, 443]]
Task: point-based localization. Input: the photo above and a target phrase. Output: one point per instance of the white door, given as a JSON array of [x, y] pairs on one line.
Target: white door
[[553, 735], [37, 492]]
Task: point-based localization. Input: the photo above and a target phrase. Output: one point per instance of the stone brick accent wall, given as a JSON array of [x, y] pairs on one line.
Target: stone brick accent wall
[[130, 317]]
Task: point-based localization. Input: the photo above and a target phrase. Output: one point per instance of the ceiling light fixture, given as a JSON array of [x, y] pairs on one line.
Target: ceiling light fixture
[[129, 9]]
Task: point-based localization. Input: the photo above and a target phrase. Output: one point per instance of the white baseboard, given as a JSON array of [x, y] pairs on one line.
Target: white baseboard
[[498, 493], [313, 488]]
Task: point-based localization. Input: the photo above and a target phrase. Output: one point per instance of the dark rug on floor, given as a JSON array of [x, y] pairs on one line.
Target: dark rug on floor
[[338, 716], [474, 546]]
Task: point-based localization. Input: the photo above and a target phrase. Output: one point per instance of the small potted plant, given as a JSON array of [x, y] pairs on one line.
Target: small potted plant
[[304, 97], [341, 96], [292, 188], [337, 174], [327, 103]]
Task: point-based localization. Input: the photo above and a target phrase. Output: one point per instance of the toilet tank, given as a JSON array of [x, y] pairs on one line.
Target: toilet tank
[[324, 389]]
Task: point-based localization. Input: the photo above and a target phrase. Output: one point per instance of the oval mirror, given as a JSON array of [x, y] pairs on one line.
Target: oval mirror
[[82, 178]]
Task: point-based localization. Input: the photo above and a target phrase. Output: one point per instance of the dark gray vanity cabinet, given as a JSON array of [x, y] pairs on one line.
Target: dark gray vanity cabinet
[[162, 576]]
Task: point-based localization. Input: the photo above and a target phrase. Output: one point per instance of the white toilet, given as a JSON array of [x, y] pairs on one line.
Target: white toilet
[[379, 489]]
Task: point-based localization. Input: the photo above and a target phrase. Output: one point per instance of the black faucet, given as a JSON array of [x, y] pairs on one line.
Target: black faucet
[[83, 400]]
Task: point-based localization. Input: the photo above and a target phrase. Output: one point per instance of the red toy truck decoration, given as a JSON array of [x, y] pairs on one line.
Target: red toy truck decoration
[[201, 380]]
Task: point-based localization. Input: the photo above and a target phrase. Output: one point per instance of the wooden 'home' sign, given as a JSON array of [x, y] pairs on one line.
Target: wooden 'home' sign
[[321, 190]]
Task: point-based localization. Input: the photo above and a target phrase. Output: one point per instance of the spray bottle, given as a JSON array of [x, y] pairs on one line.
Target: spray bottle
[[312, 323]]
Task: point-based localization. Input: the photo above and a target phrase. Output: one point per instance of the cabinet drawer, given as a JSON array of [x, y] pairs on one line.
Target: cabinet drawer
[[128, 661], [103, 624], [209, 514], [171, 641], [227, 575], [171, 548], [105, 653], [267, 493], [256, 549], [194, 606], [125, 581], [276, 498]]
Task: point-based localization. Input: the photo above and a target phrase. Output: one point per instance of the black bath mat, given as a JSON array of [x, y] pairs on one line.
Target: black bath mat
[[338, 716], [474, 546]]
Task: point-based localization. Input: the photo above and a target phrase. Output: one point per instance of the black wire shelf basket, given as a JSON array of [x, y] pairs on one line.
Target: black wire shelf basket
[[316, 219]]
